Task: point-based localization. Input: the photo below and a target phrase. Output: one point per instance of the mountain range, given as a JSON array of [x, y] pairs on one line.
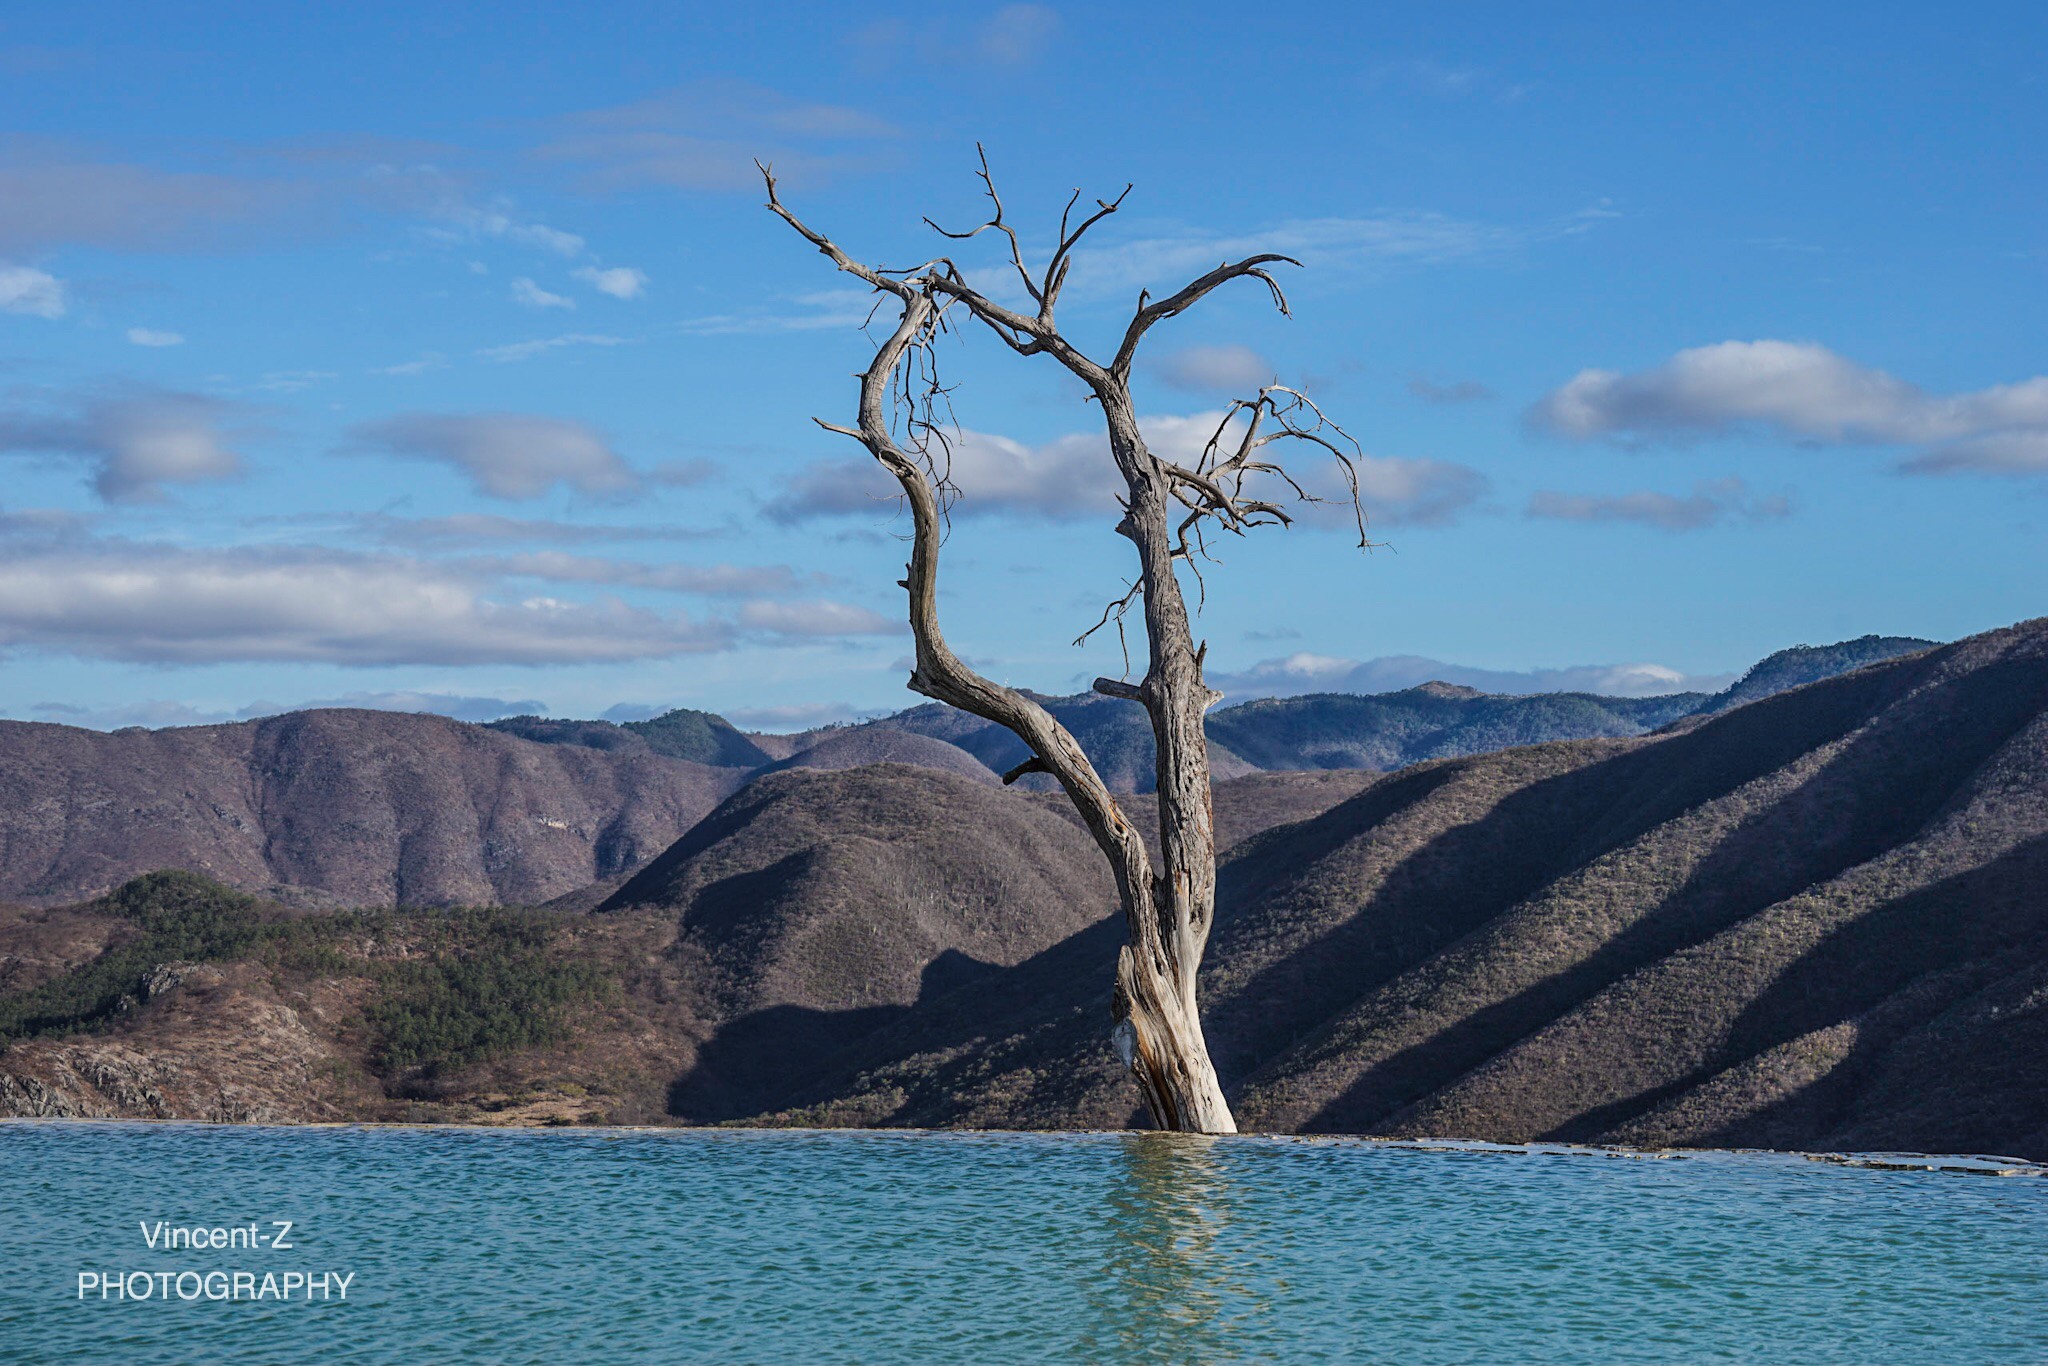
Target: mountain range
[[349, 807], [1804, 916]]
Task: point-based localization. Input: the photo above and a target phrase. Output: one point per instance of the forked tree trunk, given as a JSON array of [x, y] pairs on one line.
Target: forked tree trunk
[[1157, 1027]]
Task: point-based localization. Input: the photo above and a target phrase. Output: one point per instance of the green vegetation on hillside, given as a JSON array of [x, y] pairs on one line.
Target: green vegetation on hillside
[[1803, 664], [698, 736], [492, 984], [483, 982], [181, 917]]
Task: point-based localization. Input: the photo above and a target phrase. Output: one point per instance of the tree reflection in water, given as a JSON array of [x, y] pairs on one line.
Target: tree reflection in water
[[1173, 1285]]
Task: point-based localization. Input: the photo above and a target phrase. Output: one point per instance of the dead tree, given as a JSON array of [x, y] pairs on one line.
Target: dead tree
[[1167, 510]]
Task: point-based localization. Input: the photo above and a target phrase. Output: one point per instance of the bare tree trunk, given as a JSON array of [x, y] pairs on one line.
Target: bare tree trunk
[[1158, 1030], [1157, 1026]]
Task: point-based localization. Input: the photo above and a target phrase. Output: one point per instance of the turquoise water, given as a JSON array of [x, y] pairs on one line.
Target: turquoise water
[[622, 1246]]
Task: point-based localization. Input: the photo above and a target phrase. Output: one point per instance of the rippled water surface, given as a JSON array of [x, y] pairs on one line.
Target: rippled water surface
[[614, 1246]]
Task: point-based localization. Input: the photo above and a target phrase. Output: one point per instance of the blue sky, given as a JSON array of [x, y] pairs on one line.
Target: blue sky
[[444, 355]]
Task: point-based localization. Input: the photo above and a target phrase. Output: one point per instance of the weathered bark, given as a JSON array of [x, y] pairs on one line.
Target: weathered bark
[[1157, 1028]]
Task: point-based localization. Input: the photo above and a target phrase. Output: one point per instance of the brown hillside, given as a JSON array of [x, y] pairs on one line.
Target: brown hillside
[[341, 806], [824, 902], [1813, 921], [857, 747]]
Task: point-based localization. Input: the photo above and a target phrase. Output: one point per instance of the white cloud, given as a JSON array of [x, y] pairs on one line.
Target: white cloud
[[1202, 369], [1401, 491], [465, 221], [506, 455], [525, 291], [149, 336], [527, 350], [138, 441], [1805, 391], [1711, 501], [160, 604], [621, 282], [24, 289], [1300, 673], [815, 618], [1073, 477]]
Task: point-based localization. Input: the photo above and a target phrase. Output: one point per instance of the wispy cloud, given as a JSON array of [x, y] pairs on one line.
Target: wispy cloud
[[800, 313], [1806, 392], [506, 455], [1342, 248], [531, 295], [37, 293], [289, 381], [621, 282], [460, 221], [51, 196], [1712, 501], [1014, 36], [433, 360], [1017, 35], [137, 442], [705, 137], [150, 336], [527, 350]]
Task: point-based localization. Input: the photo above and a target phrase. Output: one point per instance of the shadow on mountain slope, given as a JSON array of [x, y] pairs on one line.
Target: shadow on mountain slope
[[1743, 930]]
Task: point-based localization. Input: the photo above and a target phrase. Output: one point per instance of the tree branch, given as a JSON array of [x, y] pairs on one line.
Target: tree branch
[[899, 288], [1186, 297], [1032, 765], [940, 674]]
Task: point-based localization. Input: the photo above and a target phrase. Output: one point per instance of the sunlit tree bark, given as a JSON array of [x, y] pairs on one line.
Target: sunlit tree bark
[[1168, 509]]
